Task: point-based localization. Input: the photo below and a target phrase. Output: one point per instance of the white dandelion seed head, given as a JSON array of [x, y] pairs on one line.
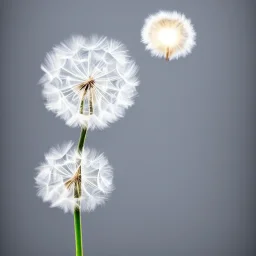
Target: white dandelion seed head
[[96, 71], [55, 179], [168, 34]]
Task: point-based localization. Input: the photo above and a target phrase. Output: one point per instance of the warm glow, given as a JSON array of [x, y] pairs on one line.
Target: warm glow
[[168, 36]]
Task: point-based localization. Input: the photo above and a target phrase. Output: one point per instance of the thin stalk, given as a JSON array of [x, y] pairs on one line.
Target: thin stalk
[[77, 194], [91, 101], [82, 140], [78, 232]]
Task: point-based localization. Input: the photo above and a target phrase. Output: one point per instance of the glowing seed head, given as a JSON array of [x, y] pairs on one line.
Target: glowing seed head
[[168, 34]]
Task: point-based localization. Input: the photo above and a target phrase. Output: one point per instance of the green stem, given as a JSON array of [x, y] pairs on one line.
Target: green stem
[[90, 102], [82, 140], [78, 232], [77, 194]]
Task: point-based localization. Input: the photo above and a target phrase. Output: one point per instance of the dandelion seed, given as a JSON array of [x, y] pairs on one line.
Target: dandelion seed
[[168, 34], [69, 180], [89, 82]]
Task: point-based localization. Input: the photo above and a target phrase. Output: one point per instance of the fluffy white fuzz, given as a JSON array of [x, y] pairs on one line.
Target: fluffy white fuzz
[[77, 60], [60, 167], [168, 34]]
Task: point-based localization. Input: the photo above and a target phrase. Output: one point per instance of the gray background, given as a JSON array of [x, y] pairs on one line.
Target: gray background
[[183, 155]]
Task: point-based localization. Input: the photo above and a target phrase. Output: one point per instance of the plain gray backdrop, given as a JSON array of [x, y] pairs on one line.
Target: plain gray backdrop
[[183, 155]]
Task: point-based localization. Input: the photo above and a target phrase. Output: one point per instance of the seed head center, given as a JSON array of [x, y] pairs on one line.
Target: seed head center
[[87, 85], [76, 179]]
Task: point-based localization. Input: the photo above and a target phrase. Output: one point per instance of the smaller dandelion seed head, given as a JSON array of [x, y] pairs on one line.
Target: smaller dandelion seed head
[[68, 180], [168, 34]]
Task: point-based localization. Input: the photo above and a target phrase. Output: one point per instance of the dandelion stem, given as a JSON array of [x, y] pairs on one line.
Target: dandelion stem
[[78, 232], [77, 194], [83, 129], [82, 140], [91, 102]]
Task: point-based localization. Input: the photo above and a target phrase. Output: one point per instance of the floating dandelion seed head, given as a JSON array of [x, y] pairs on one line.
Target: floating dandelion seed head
[[89, 82], [64, 170], [168, 34]]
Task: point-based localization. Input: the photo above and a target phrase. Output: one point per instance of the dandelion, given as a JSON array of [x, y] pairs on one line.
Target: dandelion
[[168, 34], [69, 180], [89, 82]]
